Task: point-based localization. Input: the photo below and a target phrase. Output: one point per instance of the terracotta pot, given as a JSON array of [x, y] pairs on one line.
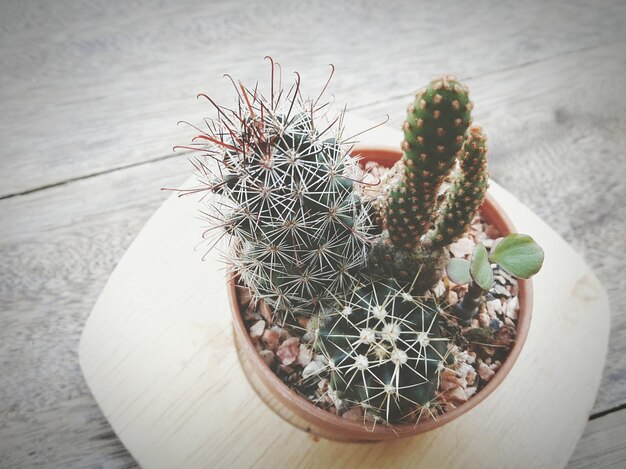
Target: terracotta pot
[[306, 416]]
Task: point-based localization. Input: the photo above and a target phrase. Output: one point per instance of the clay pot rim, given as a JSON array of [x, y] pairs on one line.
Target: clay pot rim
[[322, 418]]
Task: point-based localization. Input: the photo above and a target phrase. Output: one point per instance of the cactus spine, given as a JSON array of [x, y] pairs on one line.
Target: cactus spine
[[287, 197], [384, 351]]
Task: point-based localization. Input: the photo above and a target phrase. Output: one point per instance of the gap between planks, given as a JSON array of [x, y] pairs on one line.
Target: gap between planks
[[125, 62], [378, 102]]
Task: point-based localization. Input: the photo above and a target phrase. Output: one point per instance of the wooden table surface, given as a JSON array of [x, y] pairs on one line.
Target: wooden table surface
[[90, 93]]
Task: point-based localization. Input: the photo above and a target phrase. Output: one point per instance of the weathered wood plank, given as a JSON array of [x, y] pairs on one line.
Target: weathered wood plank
[[72, 434], [58, 246], [90, 87], [603, 443], [55, 262]]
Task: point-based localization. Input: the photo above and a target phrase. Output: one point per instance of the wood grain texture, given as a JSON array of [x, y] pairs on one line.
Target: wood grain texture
[[157, 353], [87, 87], [602, 445], [55, 262]]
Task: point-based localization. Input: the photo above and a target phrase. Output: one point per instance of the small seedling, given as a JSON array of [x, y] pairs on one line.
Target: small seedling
[[517, 254]]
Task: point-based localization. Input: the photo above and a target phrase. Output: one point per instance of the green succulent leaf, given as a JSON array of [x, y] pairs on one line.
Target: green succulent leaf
[[519, 255], [480, 268], [458, 271]]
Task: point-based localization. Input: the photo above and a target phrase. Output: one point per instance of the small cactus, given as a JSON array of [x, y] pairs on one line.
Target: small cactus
[[467, 192], [420, 222], [434, 132], [419, 267], [287, 197], [384, 350]]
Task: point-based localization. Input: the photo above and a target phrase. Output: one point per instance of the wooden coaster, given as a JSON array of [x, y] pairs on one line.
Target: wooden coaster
[[158, 355]]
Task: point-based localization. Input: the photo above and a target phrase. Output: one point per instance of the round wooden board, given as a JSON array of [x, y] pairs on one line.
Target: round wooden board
[[158, 355]]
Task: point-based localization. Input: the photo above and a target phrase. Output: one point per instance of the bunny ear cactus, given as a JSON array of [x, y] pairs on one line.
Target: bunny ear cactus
[[437, 134], [286, 195], [384, 350]]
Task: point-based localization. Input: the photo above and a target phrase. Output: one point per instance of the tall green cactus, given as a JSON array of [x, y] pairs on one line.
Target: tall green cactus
[[384, 350], [287, 197], [434, 132], [419, 224], [467, 192]]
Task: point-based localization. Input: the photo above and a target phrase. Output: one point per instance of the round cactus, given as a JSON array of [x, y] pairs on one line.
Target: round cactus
[[384, 350], [434, 132], [286, 187]]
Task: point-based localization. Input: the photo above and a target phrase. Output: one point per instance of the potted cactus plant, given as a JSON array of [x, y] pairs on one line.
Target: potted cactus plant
[[351, 318]]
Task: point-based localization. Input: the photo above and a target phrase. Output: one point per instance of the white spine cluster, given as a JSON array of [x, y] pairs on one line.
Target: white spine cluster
[[387, 354]]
